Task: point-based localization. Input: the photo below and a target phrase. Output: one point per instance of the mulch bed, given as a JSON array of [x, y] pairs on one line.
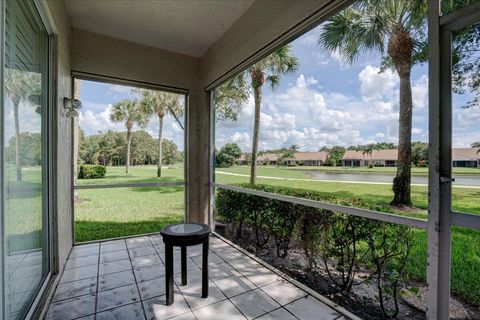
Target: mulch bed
[[361, 301]]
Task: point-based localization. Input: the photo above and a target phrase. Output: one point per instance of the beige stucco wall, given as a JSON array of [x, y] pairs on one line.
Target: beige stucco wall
[[98, 54], [62, 131]]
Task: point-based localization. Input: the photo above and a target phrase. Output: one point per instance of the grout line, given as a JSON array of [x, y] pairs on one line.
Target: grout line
[[117, 238], [109, 309], [213, 282], [294, 282], [136, 283], [276, 309]]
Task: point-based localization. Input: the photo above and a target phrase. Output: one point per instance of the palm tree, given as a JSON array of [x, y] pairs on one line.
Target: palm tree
[[268, 70], [129, 111], [369, 148], [476, 145], [161, 103], [389, 27], [20, 85]]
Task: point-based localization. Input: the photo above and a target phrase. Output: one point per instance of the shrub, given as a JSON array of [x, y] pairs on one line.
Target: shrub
[[284, 216], [345, 242], [312, 226], [258, 216], [389, 247], [233, 206], [87, 171], [343, 249]]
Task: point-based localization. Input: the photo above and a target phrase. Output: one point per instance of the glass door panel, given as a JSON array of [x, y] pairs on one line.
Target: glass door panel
[[25, 113]]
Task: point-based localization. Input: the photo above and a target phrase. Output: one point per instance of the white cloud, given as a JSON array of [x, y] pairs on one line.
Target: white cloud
[[420, 92], [306, 115], [375, 84], [418, 131], [120, 89]]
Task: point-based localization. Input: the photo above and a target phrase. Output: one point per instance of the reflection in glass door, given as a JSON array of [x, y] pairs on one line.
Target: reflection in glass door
[[25, 162]]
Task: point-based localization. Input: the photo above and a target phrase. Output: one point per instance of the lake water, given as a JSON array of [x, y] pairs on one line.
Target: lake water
[[465, 180]]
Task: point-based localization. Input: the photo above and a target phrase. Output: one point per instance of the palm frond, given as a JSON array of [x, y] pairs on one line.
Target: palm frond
[[353, 31]]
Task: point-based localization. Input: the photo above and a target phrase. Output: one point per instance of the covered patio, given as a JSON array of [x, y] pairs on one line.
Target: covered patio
[[125, 279], [188, 48]]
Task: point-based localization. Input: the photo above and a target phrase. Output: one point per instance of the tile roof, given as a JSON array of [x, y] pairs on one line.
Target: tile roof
[[392, 154], [465, 154]]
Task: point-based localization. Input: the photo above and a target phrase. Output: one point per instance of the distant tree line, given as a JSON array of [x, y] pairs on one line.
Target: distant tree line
[[109, 149], [30, 149]]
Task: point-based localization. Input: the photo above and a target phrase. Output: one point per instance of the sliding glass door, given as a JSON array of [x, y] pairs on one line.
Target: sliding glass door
[[24, 117]]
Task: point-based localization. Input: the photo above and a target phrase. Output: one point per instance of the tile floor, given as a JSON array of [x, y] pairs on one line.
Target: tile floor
[[124, 279]]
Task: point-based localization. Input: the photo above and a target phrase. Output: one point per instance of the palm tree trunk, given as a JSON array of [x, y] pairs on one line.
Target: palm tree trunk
[[17, 140], [257, 93], [401, 183], [160, 130], [129, 138]]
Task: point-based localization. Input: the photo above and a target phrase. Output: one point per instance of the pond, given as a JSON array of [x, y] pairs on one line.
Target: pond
[[465, 180]]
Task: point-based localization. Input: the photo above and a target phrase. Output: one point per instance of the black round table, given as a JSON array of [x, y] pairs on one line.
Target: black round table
[[183, 235]]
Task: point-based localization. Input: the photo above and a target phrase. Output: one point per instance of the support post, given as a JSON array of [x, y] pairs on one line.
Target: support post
[[438, 257]]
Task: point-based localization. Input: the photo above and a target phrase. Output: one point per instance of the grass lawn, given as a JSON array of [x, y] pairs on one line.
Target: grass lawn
[[117, 212], [141, 174]]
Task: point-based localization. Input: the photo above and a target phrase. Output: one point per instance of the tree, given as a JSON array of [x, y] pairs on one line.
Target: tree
[[20, 86], [369, 148], [335, 154], [419, 153], [287, 154], [229, 98], [161, 103], [130, 112], [476, 145], [268, 70], [105, 148], [170, 152], [144, 148], [391, 27], [227, 155], [30, 149]]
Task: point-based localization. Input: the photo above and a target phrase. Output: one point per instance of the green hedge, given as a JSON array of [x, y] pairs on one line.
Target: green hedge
[[344, 242], [87, 171]]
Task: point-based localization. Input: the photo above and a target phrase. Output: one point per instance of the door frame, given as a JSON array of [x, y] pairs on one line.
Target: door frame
[[48, 177], [441, 217]]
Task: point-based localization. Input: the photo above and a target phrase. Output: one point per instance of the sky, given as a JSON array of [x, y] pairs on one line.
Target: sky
[[326, 102], [97, 100]]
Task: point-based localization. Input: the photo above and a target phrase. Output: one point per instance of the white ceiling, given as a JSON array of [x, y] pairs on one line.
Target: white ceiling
[[189, 27]]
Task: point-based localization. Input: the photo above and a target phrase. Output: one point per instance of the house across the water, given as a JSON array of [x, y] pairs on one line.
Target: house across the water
[[461, 157], [466, 157]]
